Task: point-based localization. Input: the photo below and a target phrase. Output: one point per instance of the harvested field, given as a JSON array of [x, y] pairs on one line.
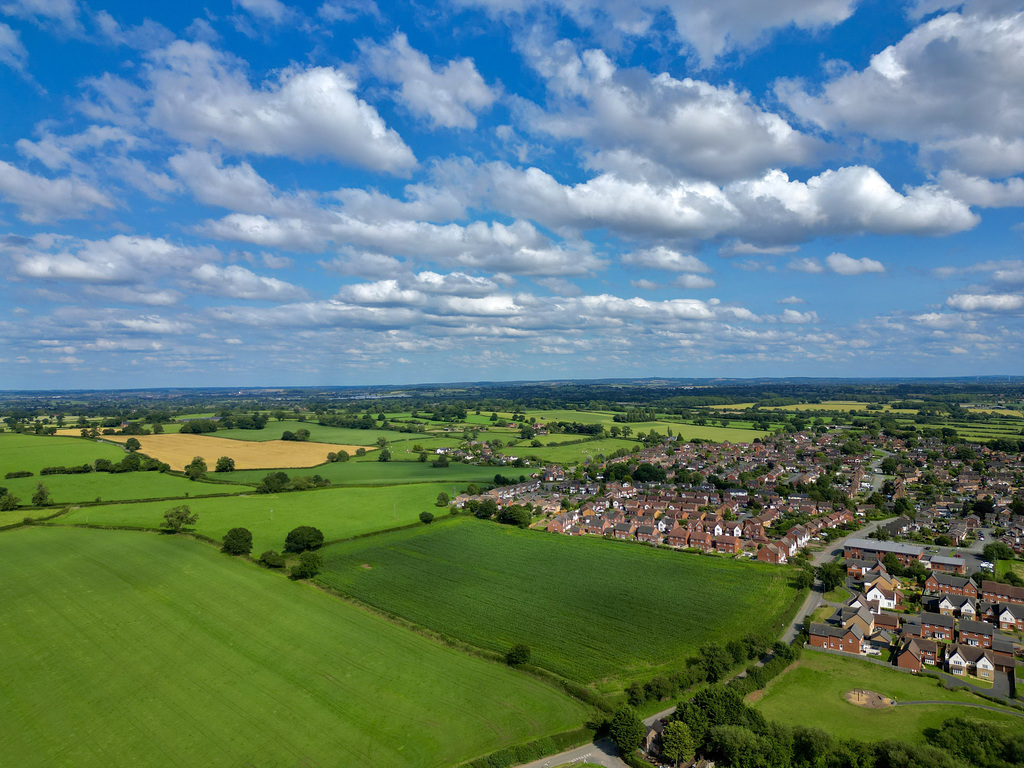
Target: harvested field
[[179, 450]]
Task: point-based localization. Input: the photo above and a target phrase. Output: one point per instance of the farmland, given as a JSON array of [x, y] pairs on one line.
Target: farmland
[[590, 609], [812, 694], [381, 473], [123, 486], [125, 648], [178, 451], [339, 513], [31, 453]]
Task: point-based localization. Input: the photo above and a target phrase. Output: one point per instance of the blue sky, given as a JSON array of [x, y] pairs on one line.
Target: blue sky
[[260, 192]]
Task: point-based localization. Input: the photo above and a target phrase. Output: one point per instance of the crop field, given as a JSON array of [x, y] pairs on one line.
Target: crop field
[[179, 450], [812, 694], [566, 454], [317, 433], [589, 609], [339, 513], [124, 486], [125, 648], [384, 473], [33, 452]]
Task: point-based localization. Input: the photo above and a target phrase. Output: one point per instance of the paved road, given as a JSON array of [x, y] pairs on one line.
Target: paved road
[[815, 599], [601, 752], [961, 704]]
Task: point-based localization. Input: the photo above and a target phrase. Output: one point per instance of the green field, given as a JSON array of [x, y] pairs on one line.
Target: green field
[[339, 513], [812, 694], [381, 473], [567, 454], [317, 433], [124, 486], [124, 648], [1004, 567], [33, 452], [589, 609]]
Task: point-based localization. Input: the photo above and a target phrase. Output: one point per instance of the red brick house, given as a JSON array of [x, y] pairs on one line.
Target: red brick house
[[994, 592], [771, 553], [976, 633], [848, 640], [943, 584], [935, 625]]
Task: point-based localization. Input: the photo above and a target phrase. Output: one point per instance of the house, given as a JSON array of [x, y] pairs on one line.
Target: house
[[678, 537], [955, 565], [970, 660], [1011, 617], [623, 530], [944, 584], [702, 541], [869, 549], [935, 625], [648, 533], [847, 639], [728, 544], [954, 605], [887, 598], [994, 592], [880, 577], [915, 652], [772, 553], [976, 633]]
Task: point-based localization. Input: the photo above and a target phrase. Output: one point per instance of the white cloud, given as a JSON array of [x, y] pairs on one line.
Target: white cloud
[[982, 192], [991, 302], [450, 96], [126, 295], [842, 264], [792, 317], [693, 282], [240, 283], [62, 13], [273, 11], [200, 95], [41, 199], [347, 10], [905, 92], [791, 300], [12, 51], [808, 265], [711, 28], [661, 257], [635, 123], [238, 187], [121, 259]]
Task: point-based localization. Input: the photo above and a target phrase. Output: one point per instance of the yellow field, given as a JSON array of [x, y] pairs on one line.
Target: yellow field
[[998, 411], [179, 450], [733, 407]]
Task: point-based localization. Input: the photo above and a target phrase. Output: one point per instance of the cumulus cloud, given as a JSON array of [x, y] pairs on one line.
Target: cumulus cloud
[[791, 300], [200, 95], [121, 259], [807, 265], [792, 317], [693, 282], [450, 96], [40, 199], [240, 283], [770, 210], [711, 28], [987, 302], [904, 92], [665, 258], [273, 11], [983, 192], [630, 120], [842, 264]]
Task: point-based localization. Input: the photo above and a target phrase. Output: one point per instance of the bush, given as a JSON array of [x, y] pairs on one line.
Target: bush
[[238, 541], [272, 559], [518, 655], [309, 565], [12, 475], [303, 538], [426, 517]]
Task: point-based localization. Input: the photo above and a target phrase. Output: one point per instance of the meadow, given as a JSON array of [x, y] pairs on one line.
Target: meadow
[[125, 648], [339, 513], [179, 450], [375, 472], [33, 452], [122, 486], [317, 433], [812, 693], [589, 609]]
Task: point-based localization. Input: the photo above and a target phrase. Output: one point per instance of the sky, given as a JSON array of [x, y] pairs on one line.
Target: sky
[[346, 192]]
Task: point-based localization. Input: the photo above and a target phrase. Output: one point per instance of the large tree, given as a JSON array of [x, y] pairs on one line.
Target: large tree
[[41, 498], [308, 566], [238, 541], [303, 538], [677, 742], [832, 575], [196, 468], [176, 518], [225, 464]]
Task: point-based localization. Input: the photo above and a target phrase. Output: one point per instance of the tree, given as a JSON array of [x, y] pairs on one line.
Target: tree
[[272, 559], [196, 468], [997, 550], [518, 655], [626, 730], [303, 538], [309, 565], [892, 564], [176, 518], [225, 464], [426, 517], [273, 482], [832, 575], [443, 499], [677, 742], [804, 579], [41, 498], [384, 455], [9, 502], [132, 445], [238, 541]]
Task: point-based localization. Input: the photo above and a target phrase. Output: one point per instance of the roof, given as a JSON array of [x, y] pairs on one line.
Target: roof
[[938, 620], [946, 560], [976, 627], [896, 547]]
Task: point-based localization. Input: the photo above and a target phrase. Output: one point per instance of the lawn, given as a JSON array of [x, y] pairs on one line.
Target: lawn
[[338, 512], [385, 473], [123, 486], [136, 649], [33, 452], [1004, 567], [589, 609], [812, 694]]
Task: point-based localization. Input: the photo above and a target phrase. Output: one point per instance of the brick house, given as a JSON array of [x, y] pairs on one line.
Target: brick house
[[849, 640], [935, 625], [994, 592], [964, 659], [977, 633], [944, 584]]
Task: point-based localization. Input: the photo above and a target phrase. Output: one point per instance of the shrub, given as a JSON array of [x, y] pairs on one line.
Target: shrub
[[518, 655], [12, 475], [426, 517], [272, 559], [309, 565]]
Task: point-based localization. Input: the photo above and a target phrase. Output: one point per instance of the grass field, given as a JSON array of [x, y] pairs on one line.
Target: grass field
[[33, 452], [124, 648], [1004, 567], [339, 513], [567, 454], [385, 473], [317, 433], [179, 450], [812, 694], [589, 609], [125, 486]]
